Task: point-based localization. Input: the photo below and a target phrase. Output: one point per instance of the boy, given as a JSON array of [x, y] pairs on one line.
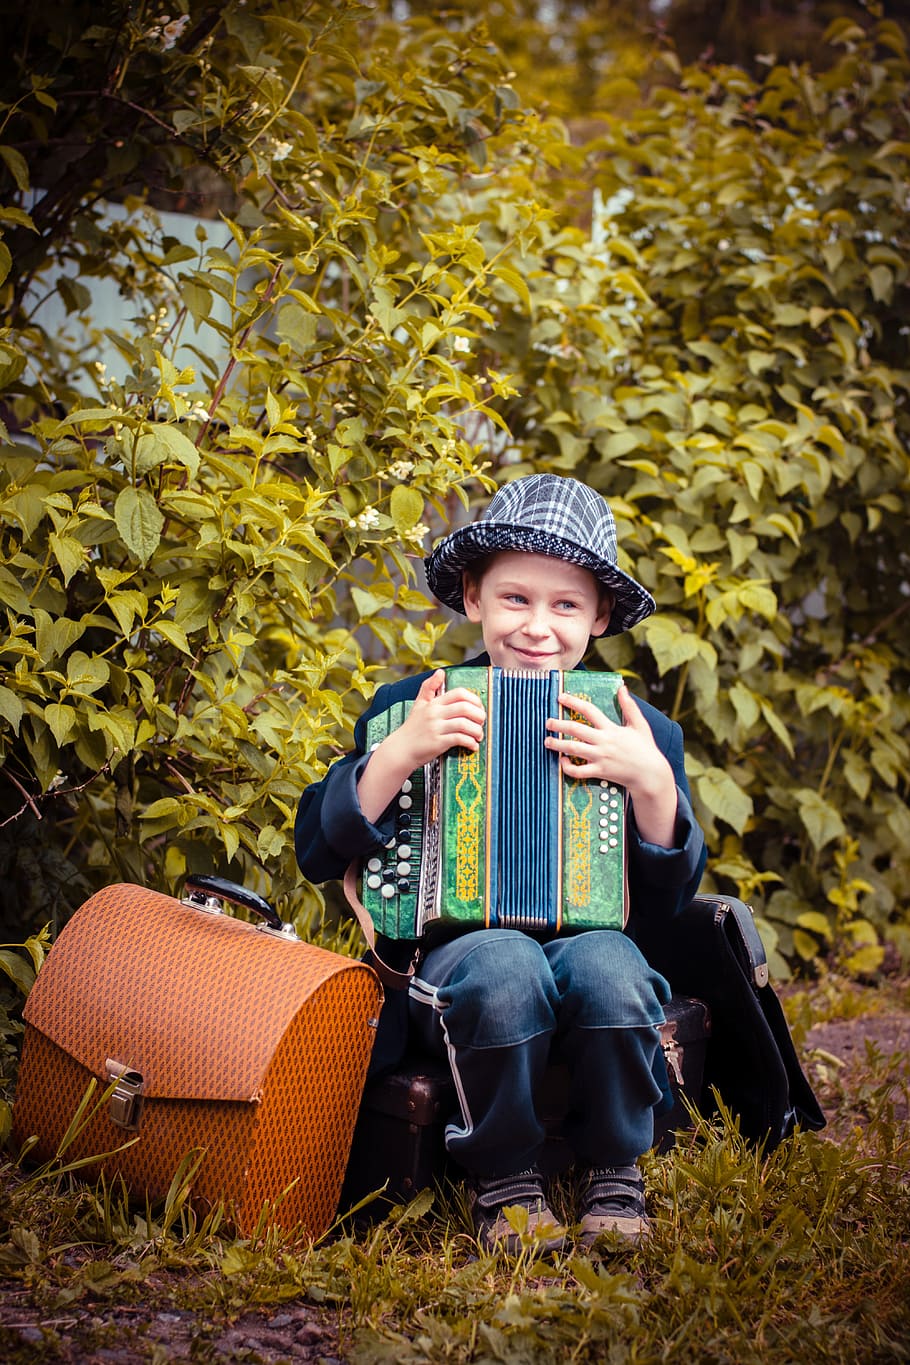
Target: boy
[[538, 573]]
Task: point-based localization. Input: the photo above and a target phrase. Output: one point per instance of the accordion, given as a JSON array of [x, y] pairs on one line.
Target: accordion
[[501, 837]]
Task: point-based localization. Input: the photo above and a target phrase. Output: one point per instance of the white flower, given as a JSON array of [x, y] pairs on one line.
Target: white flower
[[281, 151], [368, 519], [170, 32], [401, 469], [461, 344], [419, 532]]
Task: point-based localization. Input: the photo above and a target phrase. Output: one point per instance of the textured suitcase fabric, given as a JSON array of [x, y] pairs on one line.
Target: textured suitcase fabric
[[399, 1139], [248, 1045]]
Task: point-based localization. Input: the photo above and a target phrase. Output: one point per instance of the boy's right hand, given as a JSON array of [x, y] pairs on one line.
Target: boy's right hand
[[438, 720]]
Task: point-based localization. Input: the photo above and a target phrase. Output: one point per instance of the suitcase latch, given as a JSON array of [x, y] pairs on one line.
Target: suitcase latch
[[126, 1098], [671, 1052]]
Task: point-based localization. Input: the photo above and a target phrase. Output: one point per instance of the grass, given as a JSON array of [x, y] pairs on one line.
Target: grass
[[801, 1255]]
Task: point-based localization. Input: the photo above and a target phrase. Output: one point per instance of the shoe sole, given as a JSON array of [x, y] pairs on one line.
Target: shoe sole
[[543, 1237], [630, 1232]]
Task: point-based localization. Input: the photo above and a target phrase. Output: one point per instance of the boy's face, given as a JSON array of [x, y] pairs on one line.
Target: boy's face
[[535, 611]]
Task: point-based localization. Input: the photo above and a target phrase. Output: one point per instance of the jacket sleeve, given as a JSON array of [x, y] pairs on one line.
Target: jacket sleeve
[[663, 880]]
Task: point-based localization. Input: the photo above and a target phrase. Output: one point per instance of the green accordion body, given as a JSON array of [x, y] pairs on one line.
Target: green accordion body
[[500, 837]]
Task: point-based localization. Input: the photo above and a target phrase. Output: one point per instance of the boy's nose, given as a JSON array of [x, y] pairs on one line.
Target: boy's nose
[[537, 624]]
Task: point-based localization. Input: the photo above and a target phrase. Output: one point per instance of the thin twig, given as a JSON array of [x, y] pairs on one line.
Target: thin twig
[[70, 791], [229, 368], [184, 782], [29, 800]]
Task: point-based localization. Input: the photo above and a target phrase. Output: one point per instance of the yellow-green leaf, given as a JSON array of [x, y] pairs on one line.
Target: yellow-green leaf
[[17, 165], [60, 719], [815, 921], [406, 506], [10, 707], [724, 798], [821, 820], [776, 725], [20, 972], [139, 522], [161, 443], [69, 553], [175, 634]]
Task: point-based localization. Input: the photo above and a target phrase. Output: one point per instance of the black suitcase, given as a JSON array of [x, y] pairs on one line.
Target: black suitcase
[[399, 1146], [712, 950]]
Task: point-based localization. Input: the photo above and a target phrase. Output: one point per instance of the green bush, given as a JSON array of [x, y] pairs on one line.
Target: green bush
[[207, 549], [195, 556], [728, 362]]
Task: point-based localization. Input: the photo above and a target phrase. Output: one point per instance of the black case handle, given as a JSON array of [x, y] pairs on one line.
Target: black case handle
[[198, 888]]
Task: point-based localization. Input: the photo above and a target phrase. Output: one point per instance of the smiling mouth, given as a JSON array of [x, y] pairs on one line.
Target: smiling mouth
[[532, 653]]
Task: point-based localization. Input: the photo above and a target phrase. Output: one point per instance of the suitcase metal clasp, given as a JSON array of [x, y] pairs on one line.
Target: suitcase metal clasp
[[126, 1099], [671, 1052]]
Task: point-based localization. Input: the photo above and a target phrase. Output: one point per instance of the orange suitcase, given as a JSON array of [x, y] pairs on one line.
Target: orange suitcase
[[202, 1032]]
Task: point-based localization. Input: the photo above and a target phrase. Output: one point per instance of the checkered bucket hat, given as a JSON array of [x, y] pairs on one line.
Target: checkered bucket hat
[[542, 514]]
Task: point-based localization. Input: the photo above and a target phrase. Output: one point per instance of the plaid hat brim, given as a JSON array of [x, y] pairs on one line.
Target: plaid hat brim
[[462, 548]]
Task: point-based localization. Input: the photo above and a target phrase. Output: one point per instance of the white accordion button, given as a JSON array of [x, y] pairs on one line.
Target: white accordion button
[[374, 882], [406, 785], [388, 891], [405, 802], [374, 865], [403, 869], [404, 850]]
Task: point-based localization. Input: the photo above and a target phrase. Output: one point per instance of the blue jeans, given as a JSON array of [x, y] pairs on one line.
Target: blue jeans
[[498, 1006]]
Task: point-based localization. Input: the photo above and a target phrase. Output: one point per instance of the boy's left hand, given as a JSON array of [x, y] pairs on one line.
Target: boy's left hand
[[625, 754]]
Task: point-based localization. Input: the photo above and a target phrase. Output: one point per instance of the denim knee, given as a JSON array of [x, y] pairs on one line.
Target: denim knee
[[605, 982], [494, 986]]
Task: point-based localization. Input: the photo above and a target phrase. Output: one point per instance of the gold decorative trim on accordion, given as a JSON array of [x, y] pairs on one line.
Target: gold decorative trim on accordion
[[500, 837]]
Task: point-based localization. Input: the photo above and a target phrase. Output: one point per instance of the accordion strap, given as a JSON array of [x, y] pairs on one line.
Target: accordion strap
[[396, 981]]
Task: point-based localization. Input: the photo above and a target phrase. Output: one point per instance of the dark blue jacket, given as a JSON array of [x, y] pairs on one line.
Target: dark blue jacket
[[330, 831]]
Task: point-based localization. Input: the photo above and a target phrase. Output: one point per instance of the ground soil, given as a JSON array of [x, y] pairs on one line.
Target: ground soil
[[837, 1058], [160, 1332], [102, 1331]]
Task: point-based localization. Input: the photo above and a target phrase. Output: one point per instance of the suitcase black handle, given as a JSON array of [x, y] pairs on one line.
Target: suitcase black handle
[[198, 887]]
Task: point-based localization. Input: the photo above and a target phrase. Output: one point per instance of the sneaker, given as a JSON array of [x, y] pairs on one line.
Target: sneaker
[[489, 1199], [613, 1201]]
